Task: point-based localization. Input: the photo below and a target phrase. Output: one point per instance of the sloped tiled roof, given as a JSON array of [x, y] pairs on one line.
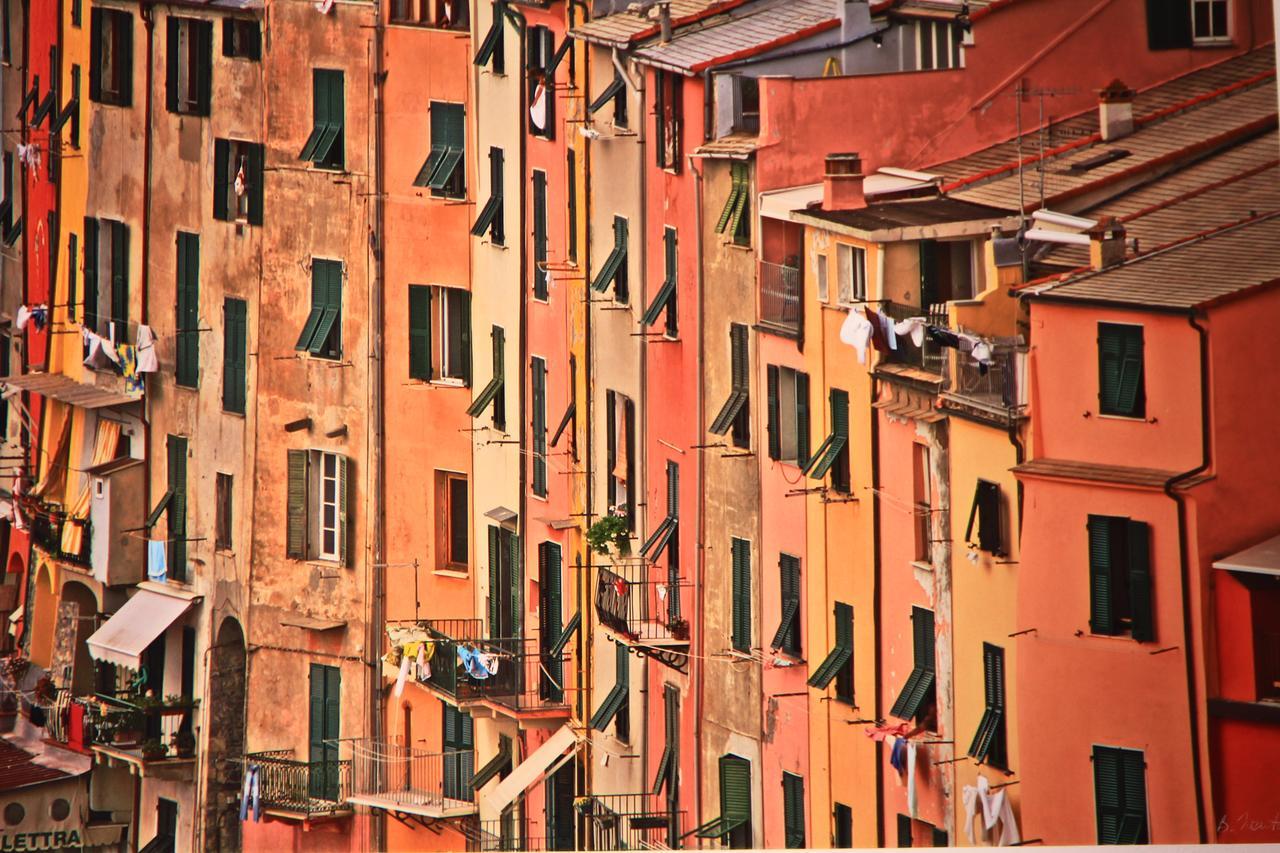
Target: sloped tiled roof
[[18, 770], [739, 32], [623, 27]]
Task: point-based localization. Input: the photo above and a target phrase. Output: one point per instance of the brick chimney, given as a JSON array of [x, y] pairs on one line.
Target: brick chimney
[[1106, 243], [842, 184], [1115, 110]]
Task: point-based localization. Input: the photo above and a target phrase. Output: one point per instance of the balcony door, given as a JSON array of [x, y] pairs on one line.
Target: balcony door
[[326, 704], [459, 752]]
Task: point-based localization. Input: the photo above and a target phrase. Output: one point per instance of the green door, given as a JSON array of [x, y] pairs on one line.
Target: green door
[[326, 702]]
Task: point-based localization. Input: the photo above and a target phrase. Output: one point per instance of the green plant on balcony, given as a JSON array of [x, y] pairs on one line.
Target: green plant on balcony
[[185, 742], [125, 726], [154, 750], [610, 535]]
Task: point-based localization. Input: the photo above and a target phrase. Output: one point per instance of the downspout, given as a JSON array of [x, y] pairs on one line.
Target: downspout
[[700, 561], [378, 824], [875, 594], [1171, 489]]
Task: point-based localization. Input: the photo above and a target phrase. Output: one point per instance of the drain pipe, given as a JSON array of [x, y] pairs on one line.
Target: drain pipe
[[701, 561], [875, 594]]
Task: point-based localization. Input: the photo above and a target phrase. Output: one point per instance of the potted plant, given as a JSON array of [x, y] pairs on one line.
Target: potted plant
[[45, 691], [154, 750], [185, 742], [126, 729], [610, 536], [679, 629]]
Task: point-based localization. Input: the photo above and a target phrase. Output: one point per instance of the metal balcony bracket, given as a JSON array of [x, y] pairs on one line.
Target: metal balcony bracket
[[679, 661]]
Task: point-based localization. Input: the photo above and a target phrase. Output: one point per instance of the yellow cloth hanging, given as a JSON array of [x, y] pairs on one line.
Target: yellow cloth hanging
[[104, 450]]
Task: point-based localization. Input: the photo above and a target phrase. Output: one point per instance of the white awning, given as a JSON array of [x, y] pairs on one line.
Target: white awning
[[778, 204], [531, 769], [1262, 558], [123, 638]]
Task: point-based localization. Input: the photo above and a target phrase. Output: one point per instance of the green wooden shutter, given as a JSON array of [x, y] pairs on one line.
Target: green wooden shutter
[[419, 331], [549, 578], [188, 311], [1130, 390], [91, 271], [177, 513], [337, 118], [802, 419], [774, 418], [515, 578], [793, 810], [463, 304], [234, 354], [538, 381], [95, 52], [1133, 788], [125, 21], [840, 427], [316, 713], [842, 839], [735, 788], [73, 265], [120, 279], [344, 518], [1141, 611], [221, 176], [171, 65], [904, 831], [296, 511], [1107, 794], [202, 43], [255, 174], [495, 600], [1102, 617], [540, 231], [741, 595]]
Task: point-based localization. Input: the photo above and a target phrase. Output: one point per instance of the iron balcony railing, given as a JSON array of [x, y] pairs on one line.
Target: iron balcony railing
[[632, 603], [781, 296], [630, 822], [152, 729], [507, 833], [528, 676], [932, 356], [306, 788], [992, 386], [448, 634], [389, 773], [46, 530]]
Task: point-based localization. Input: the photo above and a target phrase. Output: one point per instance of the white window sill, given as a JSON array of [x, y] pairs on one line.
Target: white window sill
[[460, 574]]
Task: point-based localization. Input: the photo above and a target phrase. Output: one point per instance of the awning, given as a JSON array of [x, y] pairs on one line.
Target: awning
[[1261, 559], [312, 623], [123, 638], [778, 204], [56, 386], [531, 769]]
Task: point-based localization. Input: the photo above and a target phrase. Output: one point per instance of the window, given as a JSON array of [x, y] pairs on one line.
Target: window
[[615, 93], [443, 14], [494, 392], [570, 416], [917, 700], [669, 764], [73, 269], [989, 743], [741, 580], [793, 810], [560, 815], [176, 449], [838, 664], [440, 334], [571, 176], [110, 56], [241, 39], [443, 172], [322, 333], [620, 429], [551, 626], [1121, 376], [842, 838], [324, 728], [492, 50], [452, 521], [946, 271], [788, 422], [540, 72], [614, 707], [6, 52], [666, 536], [922, 502], [189, 66], [851, 266], [1120, 577], [666, 296], [504, 584], [736, 411], [325, 146], [833, 454], [541, 275], [938, 45], [1120, 795], [491, 215], [733, 827], [736, 216], [235, 352], [1209, 20], [988, 514], [458, 740], [237, 181], [10, 229], [824, 291], [106, 257], [748, 104], [538, 391], [667, 119], [166, 824], [187, 319], [614, 268], [222, 534], [316, 511], [787, 637]]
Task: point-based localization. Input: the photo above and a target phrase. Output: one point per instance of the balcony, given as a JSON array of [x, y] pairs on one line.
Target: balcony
[[301, 790], [993, 393], [931, 358], [505, 834], [156, 739], [630, 822], [781, 295], [47, 530], [387, 774], [638, 609]]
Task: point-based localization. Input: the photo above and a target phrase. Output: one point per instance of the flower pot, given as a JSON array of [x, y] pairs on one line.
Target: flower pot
[[126, 738]]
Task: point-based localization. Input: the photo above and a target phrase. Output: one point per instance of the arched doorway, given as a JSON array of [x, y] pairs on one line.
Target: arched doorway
[[224, 701], [44, 611], [83, 668]]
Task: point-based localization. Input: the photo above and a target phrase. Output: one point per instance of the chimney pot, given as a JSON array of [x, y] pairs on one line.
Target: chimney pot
[[842, 183], [1106, 243], [1115, 110]]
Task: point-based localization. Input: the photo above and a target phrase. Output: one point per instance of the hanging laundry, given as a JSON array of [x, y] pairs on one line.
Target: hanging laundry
[[448, 13], [856, 332], [29, 156], [422, 669], [661, 590], [620, 587], [403, 676], [157, 568], [942, 336], [470, 660], [101, 353], [249, 796], [128, 353], [886, 326], [911, 778], [538, 109], [239, 184], [489, 662], [881, 733], [971, 795], [898, 756], [982, 352], [37, 315], [878, 339], [24, 314], [998, 810], [323, 6], [912, 327], [147, 360]]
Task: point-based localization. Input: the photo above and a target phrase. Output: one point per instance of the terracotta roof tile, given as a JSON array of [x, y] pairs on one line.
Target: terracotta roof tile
[[739, 32], [18, 770]]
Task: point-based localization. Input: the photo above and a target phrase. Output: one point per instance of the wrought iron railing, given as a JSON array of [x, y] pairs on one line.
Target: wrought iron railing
[[154, 731], [781, 296], [994, 385], [630, 822], [47, 529], [528, 676], [304, 787], [931, 356], [506, 833], [388, 770], [630, 602], [447, 635]]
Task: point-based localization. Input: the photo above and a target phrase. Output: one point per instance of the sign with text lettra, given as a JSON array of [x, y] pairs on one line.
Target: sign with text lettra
[[53, 839]]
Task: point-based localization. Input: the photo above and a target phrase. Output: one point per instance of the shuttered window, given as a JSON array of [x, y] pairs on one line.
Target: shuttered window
[[504, 584], [91, 290], [787, 637], [736, 216], [1168, 24], [664, 534], [1120, 795], [916, 700], [189, 66], [614, 706], [838, 664], [571, 178], [296, 514], [833, 454], [538, 392], [741, 555], [317, 516], [238, 176], [325, 147], [491, 215], [1120, 594], [235, 349], [325, 729], [842, 837], [793, 810], [669, 764], [187, 322], [176, 448], [620, 433], [322, 333], [904, 831], [491, 51], [668, 119], [666, 296], [494, 392], [987, 513], [119, 235], [541, 275], [615, 93], [439, 334], [614, 269], [541, 60], [735, 802], [443, 172], [499, 765], [419, 331], [736, 411], [110, 56], [788, 414], [989, 743], [551, 678], [1121, 380], [241, 38], [458, 738]]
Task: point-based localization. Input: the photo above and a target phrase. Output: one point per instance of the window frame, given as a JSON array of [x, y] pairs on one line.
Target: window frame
[[788, 415], [448, 514], [1213, 37], [1127, 343], [236, 41], [740, 595], [325, 147], [851, 287], [230, 156], [189, 65], [116, 27], [444, 172], [918, 697], [620, 491], [1121, 588], [324, 302], [224, 503]]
